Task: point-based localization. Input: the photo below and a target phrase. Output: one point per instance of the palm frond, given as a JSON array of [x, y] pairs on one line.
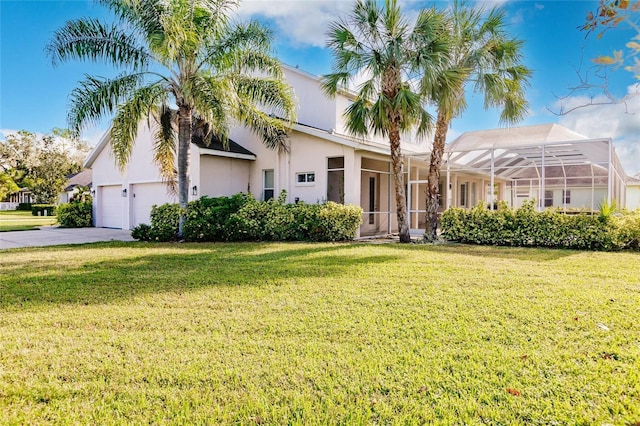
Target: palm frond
[[89, 39], [98, 97], [273, 95], [164, 146], [124, 129]]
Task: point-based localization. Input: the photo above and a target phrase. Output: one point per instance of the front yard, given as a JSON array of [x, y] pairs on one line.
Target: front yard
[[134, 333], [13, 220]]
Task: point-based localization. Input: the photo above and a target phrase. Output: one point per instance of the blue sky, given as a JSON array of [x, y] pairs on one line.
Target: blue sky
[[34, 94]]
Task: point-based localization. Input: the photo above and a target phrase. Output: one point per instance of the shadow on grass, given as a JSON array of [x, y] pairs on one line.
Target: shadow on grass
[[531, 254], [179, 267]]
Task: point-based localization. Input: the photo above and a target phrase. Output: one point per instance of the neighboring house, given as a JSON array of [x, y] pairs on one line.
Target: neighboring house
[[24, 195], [74, 182], [633, 193], [325, 163]]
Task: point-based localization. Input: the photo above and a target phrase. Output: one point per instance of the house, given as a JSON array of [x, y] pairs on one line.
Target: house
[[633, 193], [325, 163], [75, 181], [24, 195]]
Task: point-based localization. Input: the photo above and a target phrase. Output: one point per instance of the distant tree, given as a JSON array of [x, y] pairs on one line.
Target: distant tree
[[7, 186], [181, 53], [488, 58], [397, 58], [41, 162]]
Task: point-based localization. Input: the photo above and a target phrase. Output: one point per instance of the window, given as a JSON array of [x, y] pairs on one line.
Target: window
[[305, 178], [566, 196], [267, 185], [463, 194], [548, 198], [335, 179]]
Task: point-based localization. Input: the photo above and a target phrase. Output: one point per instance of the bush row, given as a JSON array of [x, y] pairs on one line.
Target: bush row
[[526, 227], [243, 218], [43, 210]]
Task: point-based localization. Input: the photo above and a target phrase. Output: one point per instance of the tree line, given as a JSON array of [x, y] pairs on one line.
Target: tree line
[[39, 162]]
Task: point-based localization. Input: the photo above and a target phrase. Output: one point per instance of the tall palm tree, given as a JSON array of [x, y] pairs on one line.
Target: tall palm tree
[[379, 43], [485, 56], [176, 54]]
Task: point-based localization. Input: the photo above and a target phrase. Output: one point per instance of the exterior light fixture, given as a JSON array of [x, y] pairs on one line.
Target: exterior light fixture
[[194, 190], [124, 192]]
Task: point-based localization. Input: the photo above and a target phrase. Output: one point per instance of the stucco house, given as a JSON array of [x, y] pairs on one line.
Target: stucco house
[[75, 181], [325, 163]]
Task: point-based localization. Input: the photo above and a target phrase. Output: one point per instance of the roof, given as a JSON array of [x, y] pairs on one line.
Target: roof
[[82, 178], [215, 144], [513, 136], [520, 152], [633, 180]]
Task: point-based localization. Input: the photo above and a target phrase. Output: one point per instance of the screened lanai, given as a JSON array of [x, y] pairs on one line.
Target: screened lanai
[[550, 164]]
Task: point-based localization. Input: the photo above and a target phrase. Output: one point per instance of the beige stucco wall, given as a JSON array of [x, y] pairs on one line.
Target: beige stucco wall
[[223, 176], [633, 197]]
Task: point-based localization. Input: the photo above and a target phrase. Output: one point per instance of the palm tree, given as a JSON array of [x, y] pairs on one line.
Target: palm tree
[[176, 54], [486, 56], [378, 42]]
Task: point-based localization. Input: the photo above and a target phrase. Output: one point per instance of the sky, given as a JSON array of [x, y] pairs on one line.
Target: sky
[[34, 94]]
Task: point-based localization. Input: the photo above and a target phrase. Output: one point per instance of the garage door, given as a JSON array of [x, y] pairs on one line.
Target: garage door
[[110, 206], [146, 195]]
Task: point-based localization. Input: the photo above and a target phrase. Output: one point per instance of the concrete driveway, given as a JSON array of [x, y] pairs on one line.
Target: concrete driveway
[[53, 236]]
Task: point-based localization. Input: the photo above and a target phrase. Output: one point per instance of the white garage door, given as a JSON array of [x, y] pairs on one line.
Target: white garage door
[[146, 195], [110, 206]]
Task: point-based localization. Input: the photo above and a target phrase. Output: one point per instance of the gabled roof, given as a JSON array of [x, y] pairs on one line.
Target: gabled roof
[[82, 178]]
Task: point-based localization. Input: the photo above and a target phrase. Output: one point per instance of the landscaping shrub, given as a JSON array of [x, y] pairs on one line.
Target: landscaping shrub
[[207, 217], [75, 215], [24, 207], [526, 227], [43, 210], [243, 218]]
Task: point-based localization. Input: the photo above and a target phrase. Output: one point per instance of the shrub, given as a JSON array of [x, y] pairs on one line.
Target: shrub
[[43, 210], [24, 207], [141, 232], [164, 222], [243, 218], [207, 217], [75, 215], [550, 228]]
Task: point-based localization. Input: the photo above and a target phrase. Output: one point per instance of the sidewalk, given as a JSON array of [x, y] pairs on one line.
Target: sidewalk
[[52, 236]]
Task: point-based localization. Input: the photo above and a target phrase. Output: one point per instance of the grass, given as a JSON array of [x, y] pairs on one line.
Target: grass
[[14, 220], [318, 334]]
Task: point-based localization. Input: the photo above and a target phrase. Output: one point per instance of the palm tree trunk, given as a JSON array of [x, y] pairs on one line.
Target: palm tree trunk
[[184, 142], [397, 164], [442, 125]]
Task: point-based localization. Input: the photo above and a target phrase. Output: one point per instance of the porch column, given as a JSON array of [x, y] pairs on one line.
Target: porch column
[[448, 183], [542, 180], [493, 195]]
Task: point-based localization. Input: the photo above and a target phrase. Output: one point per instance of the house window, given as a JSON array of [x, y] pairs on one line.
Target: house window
[[566, 196], [548, 198], [440, 195], [463, 194], [335, 179], [305, 178], [267, 185]]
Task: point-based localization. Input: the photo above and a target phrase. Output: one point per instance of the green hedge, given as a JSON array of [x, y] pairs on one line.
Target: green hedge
[[43, 210], [24, 207], [526, 227], [243, 218], [75, 215]]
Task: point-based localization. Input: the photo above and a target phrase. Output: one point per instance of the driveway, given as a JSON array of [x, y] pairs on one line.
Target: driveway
[[53, 236]]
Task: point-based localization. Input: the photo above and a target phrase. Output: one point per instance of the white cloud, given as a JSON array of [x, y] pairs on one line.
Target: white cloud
[[619, 122], [301, 22]]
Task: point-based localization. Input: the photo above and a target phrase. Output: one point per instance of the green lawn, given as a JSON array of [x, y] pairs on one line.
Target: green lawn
[[14, 220], [134, 333]]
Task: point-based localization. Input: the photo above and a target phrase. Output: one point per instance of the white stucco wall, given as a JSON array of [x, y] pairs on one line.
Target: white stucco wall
[[223, 176], [314, 107], [633, 197]]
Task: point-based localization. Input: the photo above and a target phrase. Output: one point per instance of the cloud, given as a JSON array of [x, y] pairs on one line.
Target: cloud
[[619, 122], [299, 23]]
